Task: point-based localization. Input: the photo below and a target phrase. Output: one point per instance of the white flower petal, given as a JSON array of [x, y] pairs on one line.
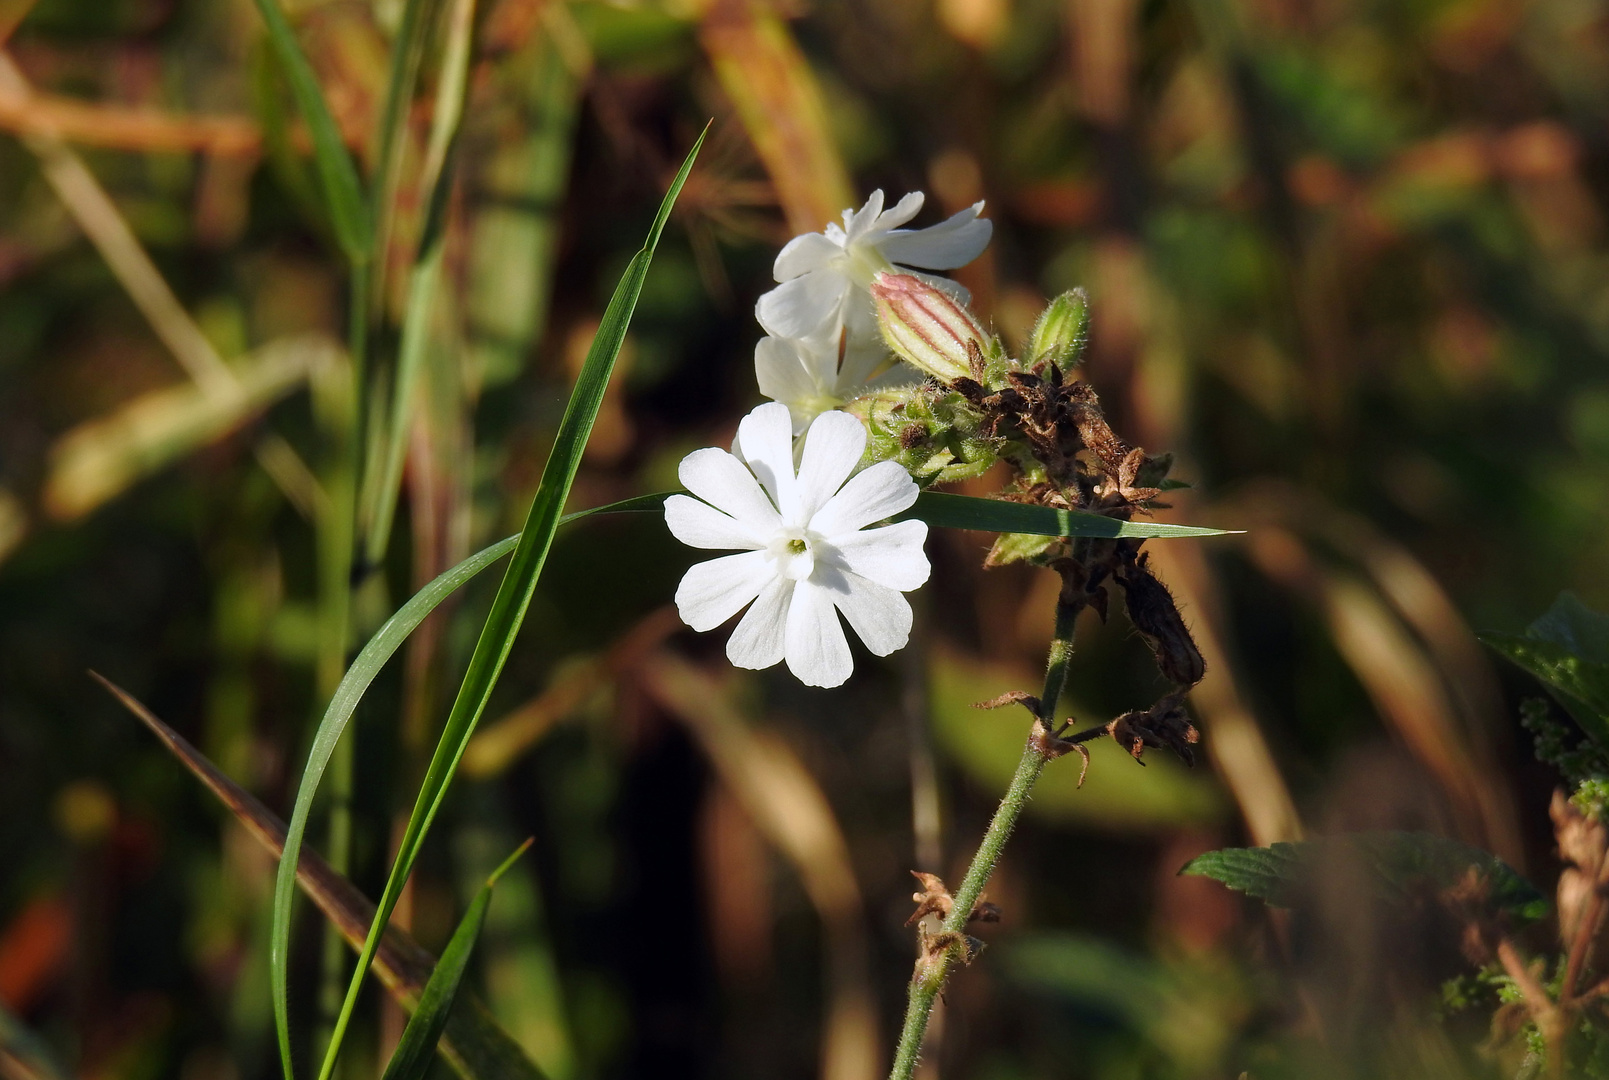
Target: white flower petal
[[817, 651], [722, 481], [903, 211], [864, 220], [799, 307], [760, 639], [865, 359], [880, 617], [766, 436], [891, 556], [786, 372], [804, 253], [951, 243], [700, 525], [712, 592], [871, 495], [832, 449]]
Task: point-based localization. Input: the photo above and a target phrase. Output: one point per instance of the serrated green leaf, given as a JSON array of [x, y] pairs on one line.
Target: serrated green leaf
[[1399, 865], [1581, 686], [514, 595], [997, 515], [338, 174], [417, 1047]]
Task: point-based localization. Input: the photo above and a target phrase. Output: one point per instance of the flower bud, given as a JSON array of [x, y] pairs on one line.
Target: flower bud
[[926, 327], [1062, 330]]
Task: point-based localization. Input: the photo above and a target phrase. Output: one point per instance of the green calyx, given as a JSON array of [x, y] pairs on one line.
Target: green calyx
[[1062, 331], [933, 432]]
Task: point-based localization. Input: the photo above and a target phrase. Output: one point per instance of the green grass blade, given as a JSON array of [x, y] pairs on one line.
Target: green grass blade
[[425, 278], [363, 671], [514, 595], [418, 1044], [476, 1046], [407, 52], [996, 515], [343, 191]]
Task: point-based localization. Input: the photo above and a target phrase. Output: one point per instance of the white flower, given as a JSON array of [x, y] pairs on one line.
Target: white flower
[[806, 553], [814, 374], [825, 275]]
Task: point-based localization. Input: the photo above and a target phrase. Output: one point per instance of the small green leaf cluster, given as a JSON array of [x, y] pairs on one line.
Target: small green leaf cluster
[[1567, 649]]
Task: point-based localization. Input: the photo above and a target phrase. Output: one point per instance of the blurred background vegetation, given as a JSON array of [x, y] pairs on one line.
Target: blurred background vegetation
[[1348, 261]]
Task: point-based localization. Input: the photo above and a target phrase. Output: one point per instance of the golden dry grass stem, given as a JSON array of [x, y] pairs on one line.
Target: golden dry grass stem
[[119, 127], [92, 208], [779, 101], [790, 810]]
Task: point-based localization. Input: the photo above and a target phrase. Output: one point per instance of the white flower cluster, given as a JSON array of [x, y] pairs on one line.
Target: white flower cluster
[[822, 345], [798, 520]]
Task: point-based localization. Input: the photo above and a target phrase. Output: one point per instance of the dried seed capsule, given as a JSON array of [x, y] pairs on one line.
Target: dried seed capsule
[[1156, 616]]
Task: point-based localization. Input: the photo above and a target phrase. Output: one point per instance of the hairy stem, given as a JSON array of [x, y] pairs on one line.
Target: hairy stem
[[932, 970]]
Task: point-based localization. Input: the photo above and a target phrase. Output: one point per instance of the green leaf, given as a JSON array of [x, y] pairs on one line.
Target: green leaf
[[407, 52], [1575, 626], [343, 191], [514, 595], [1399, 866], [1581, 686], [417, 1046], [997, 515], [363, 671], [380, 496], [1568, 650]]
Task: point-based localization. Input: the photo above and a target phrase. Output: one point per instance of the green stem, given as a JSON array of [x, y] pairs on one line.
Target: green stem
[[341, 416], [932, 971]]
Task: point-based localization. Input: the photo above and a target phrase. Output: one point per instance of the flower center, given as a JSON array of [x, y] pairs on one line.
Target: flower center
[[794, 553]]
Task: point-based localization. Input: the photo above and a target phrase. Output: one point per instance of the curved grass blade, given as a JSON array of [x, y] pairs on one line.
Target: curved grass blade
[[473, 1043], [514, 595], [343, 191], [996, 515], [418, 1044], [381, 647]]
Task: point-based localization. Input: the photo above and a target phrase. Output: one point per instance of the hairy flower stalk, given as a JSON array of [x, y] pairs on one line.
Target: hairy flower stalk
[[1067, 455]]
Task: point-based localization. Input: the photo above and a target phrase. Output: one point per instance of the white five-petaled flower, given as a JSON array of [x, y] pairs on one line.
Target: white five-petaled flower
[[811, 375], [805, 552], [824, 276]]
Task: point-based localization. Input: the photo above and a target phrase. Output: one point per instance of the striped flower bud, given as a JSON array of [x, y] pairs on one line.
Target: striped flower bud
[[926, 327]]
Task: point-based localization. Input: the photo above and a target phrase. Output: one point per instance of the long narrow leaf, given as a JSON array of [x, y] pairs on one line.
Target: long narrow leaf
[[473, 1042], [363, 671], [343, 191], [407, 50], [424, 280], [514, 595], [418, 1044], [996, 515]]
